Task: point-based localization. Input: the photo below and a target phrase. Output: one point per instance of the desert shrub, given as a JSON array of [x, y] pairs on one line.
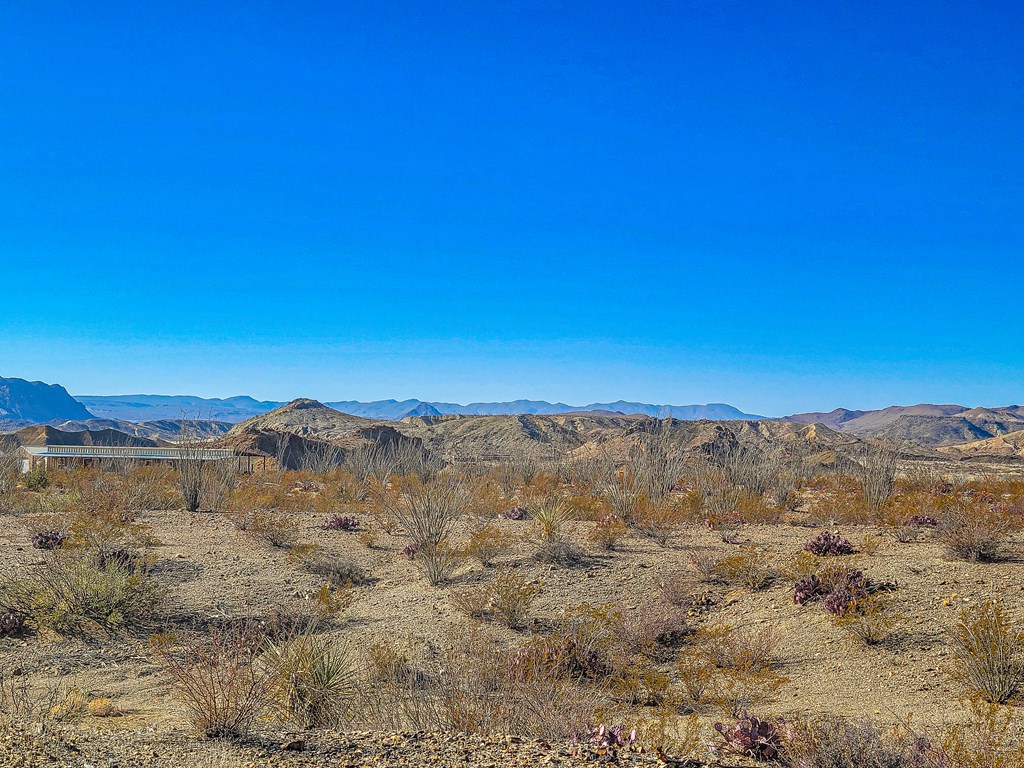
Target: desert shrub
[[608, 532], [868, 619], [674, 739], [428, 511], [275, 529], [740, 648], [475, 602], [754, 737], [438, 562], [221, 680], [829, 544], [675, 591], [561, 552], [705, 563], [35, 480], [48, 539], [511, 597], [989, 740], [876, 472], [974, 532], [341, 523], [73, 593], [750, 567], [481, 688], [640, 684], [658, 522], [336, 571], [989, 650], [921, 521], [10, 465], [697, 677], [838, 742], [506, 599], [312, 679], [487, 543]]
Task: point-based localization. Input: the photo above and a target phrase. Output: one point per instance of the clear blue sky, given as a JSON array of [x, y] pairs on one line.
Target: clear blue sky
[[784, 206]]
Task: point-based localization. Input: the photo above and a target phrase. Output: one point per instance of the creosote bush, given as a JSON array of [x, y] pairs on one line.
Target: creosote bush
[[487, 543], [73, 593], [751, 568], [506, 599]]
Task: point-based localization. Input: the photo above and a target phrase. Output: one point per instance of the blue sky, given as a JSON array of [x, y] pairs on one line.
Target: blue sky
[[788, 207]]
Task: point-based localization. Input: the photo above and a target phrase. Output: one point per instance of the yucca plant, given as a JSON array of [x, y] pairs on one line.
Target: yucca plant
[[551, 514], [312, 679]]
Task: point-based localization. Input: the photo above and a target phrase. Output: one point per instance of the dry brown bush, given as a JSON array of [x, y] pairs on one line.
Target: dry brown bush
[[487, 543], [989, 650], [972, 530], [221, 680]]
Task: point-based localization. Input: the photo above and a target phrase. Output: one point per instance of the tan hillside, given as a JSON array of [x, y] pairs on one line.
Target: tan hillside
[[1011, 444]]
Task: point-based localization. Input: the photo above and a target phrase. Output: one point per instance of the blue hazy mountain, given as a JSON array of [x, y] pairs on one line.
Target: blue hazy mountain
[[236, 409]]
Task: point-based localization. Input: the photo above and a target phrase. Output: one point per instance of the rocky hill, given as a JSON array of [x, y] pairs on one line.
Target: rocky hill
[[306, 418], [34, 402], [47, 435]]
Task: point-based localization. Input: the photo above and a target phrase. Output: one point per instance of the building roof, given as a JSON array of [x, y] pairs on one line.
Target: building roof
[[127, 452]]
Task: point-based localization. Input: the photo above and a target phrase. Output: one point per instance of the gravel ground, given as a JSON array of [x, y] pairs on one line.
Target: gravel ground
[[111, 749]]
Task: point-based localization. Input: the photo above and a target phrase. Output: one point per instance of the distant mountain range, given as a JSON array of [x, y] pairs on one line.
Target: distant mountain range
[[159, 417], [238, 409]]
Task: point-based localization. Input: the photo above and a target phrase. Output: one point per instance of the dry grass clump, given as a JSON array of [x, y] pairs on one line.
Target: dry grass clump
[[561, 552], [506, 599], [439, 562], [741, 648], [989, 650], [870, 619], [271, 527], [336, 571], [988, 739]]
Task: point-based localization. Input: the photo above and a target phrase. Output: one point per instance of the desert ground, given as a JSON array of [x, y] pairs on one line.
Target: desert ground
[[554, 600]]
